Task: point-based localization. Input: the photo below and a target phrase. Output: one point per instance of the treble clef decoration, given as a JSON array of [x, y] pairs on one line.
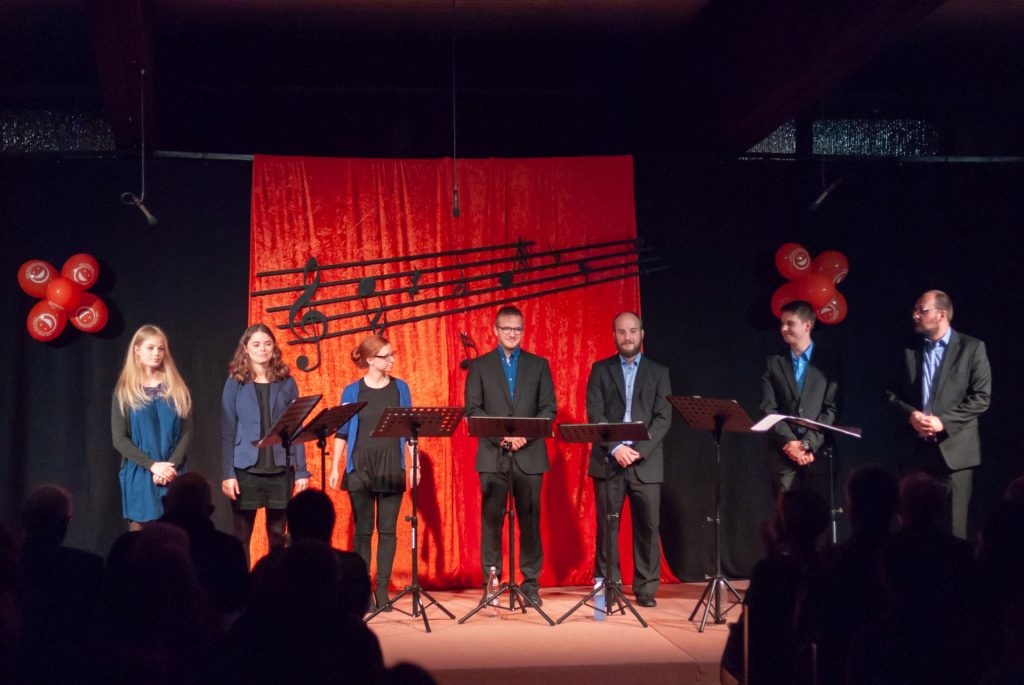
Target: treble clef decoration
[[311, 323]]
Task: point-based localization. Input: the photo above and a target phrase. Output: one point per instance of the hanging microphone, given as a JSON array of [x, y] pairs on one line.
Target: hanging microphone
[[150, 219], [455, 204], [131, 199]]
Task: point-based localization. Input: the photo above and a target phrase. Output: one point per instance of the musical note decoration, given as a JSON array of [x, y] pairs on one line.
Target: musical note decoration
[[467, 344], [459, 281], [377, 318], [414, 284]]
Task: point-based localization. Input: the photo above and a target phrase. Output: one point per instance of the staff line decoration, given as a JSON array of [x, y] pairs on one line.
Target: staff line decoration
[[503, 270]]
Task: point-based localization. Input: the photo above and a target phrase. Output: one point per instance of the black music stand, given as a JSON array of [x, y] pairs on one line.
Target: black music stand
[[327, 423], [287, 428], [510, 427], [413, 423], [716, 416], [770, 420], [634, 431]]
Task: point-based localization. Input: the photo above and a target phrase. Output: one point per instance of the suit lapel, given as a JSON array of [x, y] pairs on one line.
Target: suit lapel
[[250, 394], [641, 377], [615, 370], [498, 367], [947, 361], [786, 364], [812, 375]]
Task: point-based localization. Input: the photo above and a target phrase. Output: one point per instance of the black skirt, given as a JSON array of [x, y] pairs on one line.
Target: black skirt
[[376, 470]]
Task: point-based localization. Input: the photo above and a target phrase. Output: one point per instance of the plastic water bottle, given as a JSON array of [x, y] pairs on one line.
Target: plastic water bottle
[[492, 589], [599, 601]]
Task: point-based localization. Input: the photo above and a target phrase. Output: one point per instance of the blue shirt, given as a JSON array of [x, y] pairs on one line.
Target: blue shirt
[[931, 361], [800, 362], [510, 365], [629, 377]]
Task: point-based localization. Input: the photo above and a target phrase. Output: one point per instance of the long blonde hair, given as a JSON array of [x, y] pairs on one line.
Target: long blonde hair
[[129, 390]]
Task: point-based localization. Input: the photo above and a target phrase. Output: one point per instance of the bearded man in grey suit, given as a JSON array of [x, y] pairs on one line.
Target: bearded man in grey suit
[[803, 382], [945, 384], [629, 386], [510, 381]]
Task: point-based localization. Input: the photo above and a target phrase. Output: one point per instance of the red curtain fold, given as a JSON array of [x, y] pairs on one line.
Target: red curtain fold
[[354, 210]]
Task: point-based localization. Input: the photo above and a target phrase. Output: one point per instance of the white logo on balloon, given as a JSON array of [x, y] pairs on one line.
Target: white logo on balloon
[[45, 324], [86, 317], [36, 272], [82, 274]]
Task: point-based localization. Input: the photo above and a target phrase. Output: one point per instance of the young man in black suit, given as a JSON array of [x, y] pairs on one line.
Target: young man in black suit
[[628, 386], [510, 381], [945, 384], [802, 381]]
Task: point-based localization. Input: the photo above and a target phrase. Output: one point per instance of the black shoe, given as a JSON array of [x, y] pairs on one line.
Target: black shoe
[[380, 599], [646, 600], [534, 596]]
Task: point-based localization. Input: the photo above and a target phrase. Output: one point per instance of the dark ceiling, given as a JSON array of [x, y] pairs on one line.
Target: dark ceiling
[[527, 77]]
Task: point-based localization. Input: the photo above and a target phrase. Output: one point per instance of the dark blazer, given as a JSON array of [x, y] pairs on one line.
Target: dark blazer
[[487, 395], [962, 394], [606, 403], [818, 401], [240, 426]]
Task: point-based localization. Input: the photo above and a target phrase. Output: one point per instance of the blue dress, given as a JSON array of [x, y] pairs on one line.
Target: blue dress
[[155, 429]]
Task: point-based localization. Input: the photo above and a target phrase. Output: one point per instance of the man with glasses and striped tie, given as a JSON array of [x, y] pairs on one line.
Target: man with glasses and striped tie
[[945, 385]]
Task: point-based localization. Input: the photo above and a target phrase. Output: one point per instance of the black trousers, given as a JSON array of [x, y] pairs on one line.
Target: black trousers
[[386, 504], [792, 476], [645, 510], [928, 458], [526, 494], [245, 520]]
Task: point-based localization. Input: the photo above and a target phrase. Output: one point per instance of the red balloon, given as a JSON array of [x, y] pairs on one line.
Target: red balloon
[[33, 276], [82, 270], [63, 293], [90, 316], [831, 263], [786, 293], [46, 321], [835, 311], [816, 290], [792, 260]]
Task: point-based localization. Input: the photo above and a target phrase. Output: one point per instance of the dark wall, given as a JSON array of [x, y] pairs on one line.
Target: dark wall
[[905, 228], [189, 275]]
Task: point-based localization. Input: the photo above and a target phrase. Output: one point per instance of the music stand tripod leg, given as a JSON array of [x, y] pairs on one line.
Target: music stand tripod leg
[[614, 590], [711, 596], [419, 609], [515, 593]]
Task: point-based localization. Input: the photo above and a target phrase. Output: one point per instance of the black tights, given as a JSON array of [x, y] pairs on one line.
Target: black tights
[[388, 504], [245, 521]]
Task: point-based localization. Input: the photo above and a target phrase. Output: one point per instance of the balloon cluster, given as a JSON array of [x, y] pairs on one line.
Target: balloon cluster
[[813, 281], [63, 296]]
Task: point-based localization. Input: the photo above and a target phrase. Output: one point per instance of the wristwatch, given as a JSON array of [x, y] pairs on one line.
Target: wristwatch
[[806, 445]]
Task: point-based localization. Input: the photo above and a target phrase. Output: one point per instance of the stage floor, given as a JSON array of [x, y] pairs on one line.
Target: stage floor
[[518, 648]]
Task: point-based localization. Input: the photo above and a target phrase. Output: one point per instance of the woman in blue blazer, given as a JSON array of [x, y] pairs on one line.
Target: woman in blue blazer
[[258, 390], [375, 474]]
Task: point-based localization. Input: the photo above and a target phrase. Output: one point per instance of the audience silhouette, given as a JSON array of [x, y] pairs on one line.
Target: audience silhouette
[[900, 600]]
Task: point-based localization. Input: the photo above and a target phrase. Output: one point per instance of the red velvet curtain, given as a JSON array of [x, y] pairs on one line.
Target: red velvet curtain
[[345, 211]]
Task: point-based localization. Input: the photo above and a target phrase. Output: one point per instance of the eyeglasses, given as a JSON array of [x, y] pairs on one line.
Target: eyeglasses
[[508, 330], [921, 311], [386, 357]]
